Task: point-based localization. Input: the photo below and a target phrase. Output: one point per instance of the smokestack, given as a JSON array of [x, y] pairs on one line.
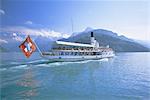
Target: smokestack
[[92, 34]]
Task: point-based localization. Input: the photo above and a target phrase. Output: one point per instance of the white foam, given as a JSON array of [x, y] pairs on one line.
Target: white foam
[[58, 63], [104, 59], [3, 69], [36, 61], [43, 65], [66, 63], [14, 63], [55, 64], [19, 67]]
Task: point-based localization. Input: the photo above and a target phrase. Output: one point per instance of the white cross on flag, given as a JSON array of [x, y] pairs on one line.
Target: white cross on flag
[[28, 47]]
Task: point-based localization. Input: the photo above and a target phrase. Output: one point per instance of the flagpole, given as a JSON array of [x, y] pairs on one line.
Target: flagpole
[[38, 48]]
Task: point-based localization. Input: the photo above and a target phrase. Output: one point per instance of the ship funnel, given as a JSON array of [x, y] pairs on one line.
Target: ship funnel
[[92, 34], [93, 41]]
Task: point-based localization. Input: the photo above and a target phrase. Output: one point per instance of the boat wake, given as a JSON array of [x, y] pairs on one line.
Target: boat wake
[[20, 67], [54, 64], [104, 59], [45, 63]]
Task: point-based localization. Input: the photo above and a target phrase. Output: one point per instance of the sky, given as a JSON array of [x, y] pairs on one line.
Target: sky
[[56, 17]]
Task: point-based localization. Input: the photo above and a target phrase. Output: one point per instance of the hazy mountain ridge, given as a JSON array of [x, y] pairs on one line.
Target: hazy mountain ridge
[[105, 37], [145, 43]]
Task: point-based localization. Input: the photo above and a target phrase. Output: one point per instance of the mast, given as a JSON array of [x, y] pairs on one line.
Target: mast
[[72, 25]]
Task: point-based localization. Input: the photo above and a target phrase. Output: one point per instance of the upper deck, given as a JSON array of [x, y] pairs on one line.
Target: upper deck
[[82, 50]]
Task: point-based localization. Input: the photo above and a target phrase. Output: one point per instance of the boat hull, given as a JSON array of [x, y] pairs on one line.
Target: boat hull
[[75, 58]]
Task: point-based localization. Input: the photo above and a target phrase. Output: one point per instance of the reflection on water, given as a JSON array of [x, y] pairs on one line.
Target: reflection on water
[[28, 83]]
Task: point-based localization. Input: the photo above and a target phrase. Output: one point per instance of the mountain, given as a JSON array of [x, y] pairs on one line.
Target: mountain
[[145, 43], [9, 42], [13, 40], [105, 37]]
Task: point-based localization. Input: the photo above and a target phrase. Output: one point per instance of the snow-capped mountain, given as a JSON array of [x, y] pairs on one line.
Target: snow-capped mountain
[[11, 41]]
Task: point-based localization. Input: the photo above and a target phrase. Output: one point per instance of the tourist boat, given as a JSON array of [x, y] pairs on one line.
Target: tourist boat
[[69, 51]]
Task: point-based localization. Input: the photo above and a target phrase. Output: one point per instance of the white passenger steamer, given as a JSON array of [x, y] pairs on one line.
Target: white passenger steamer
[[69, 51]]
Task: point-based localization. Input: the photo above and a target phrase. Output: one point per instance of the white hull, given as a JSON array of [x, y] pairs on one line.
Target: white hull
[[75, 58]]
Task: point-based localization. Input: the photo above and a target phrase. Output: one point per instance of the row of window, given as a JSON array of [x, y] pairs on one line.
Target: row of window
[[78, 53]]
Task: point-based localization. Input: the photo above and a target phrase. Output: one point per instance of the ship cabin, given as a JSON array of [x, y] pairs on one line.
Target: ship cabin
[[79, 49]]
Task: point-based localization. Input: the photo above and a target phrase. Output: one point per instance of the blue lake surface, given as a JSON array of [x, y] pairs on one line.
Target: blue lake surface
[[124, 77]]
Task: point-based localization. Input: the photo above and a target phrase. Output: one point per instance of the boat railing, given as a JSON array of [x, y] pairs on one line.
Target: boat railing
[[84, 50]]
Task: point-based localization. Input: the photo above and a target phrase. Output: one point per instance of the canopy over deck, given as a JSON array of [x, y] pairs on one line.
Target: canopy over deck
[[74, 44]]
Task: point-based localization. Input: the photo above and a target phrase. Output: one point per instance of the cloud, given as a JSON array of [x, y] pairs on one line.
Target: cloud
[[14, 34], [45, 32], [3, 41], [20, 39], [17, 38], [2, 12], [29, 22]]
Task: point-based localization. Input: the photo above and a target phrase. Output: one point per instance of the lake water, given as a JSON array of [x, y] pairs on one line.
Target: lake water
[[124, 77]]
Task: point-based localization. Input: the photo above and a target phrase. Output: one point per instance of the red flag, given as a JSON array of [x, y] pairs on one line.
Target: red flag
[[28, 47]]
